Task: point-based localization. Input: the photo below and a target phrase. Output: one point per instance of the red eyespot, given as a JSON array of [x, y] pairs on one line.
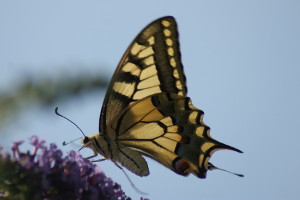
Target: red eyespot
[[181, 166]]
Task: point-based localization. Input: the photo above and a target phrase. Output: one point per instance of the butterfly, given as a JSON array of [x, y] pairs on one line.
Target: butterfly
[[146, 111]]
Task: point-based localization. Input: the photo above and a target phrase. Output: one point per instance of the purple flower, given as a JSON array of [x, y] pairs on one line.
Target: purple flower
[[46, 174], [38, 144], [15, 148]]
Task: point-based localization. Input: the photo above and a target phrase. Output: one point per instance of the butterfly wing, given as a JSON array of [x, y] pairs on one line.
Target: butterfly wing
[[146, 110], [169, 129], [151, 65]]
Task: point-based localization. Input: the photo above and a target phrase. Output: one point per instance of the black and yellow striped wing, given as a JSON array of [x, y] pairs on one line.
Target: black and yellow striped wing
[[146, 111], [170, 130], [151, 65]]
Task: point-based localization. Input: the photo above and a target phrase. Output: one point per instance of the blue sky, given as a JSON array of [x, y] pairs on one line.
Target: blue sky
[[241, 59]]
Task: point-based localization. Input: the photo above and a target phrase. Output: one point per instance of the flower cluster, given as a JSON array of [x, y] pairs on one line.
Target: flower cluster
[[45, 174]]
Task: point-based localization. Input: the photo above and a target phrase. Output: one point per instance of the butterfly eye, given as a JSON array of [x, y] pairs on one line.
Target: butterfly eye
[[85, 140]]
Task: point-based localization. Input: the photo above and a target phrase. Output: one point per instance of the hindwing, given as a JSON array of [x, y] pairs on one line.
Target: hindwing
[[151, 65], [169, 129]]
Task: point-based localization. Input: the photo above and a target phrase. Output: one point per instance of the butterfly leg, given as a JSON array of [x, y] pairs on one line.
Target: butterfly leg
[[92, 156], [99, 160]]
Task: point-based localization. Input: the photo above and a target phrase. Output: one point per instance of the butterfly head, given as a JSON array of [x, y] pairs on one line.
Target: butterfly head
[[85, 141], [96, 143], [90, 141]]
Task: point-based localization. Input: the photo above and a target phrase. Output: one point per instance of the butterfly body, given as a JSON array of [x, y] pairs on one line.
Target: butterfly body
[[146, 111]]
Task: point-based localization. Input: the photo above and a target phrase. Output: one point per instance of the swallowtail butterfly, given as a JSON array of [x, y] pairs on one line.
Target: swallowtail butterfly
[[146, 111]]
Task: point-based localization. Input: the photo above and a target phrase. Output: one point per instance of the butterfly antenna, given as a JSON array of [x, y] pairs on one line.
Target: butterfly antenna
[[212, 167], [66, 143], [130, 181]]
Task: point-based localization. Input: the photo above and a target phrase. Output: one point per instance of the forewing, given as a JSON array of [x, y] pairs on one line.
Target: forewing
[[151, 65], [169, 129]]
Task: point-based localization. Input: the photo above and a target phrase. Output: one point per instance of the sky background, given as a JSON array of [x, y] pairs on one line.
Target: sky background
[[242, 63]]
